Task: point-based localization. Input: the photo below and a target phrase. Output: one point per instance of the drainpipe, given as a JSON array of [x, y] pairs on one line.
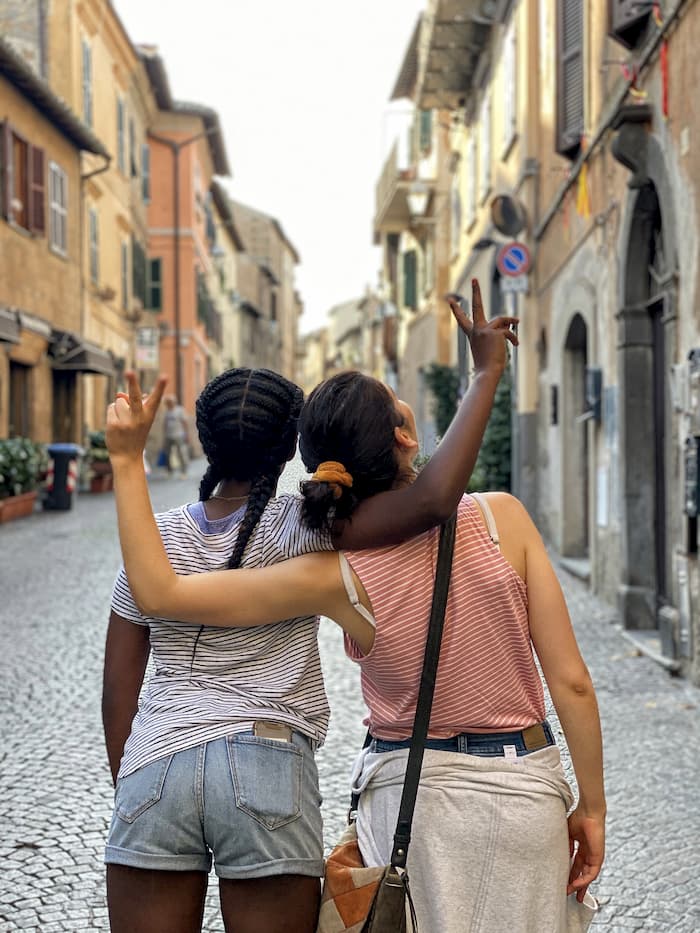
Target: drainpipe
[[81, 259], [175, 147]]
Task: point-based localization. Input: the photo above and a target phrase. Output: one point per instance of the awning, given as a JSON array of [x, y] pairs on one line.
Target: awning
[[72, 353], [9, 326]]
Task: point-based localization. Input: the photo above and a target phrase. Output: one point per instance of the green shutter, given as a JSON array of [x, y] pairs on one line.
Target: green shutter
[[426, 130], [138, 271], [409, 279], [155, 285]]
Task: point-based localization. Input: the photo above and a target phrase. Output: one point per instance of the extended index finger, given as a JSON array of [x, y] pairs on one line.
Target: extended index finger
[[478, 315], [134, 392]]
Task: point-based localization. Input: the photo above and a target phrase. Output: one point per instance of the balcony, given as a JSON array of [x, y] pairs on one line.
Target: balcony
[[392, 214], [453, 51]]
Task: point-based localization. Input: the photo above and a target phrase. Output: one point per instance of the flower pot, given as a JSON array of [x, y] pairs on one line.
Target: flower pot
[[101, 483], [17, 506]]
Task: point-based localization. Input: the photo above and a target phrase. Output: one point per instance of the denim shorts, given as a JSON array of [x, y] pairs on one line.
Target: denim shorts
[[250, 803]]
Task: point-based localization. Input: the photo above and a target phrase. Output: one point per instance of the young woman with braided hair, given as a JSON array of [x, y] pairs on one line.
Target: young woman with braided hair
[[219, 758]]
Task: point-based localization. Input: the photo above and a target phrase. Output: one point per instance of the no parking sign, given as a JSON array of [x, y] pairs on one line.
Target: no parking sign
[[513, 259]]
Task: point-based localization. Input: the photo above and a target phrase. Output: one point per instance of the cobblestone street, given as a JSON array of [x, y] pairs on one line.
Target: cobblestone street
[[56, 575]]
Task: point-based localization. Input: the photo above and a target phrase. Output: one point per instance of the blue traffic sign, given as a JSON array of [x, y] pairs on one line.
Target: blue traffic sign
[[513, 259]]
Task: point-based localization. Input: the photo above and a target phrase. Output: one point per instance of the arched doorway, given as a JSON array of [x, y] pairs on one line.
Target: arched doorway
[[575, 534], [647, 347]]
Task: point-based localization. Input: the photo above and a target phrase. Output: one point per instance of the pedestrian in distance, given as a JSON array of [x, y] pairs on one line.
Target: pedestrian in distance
[[217, 759], [175, 436]]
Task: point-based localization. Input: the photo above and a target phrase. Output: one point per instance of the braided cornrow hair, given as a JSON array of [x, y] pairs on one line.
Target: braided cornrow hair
[[247, 425]]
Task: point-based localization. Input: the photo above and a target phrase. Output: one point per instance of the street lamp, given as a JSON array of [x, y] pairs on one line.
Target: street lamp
[[417, 198]]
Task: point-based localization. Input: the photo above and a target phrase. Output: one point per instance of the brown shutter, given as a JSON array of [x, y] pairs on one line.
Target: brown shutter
[[7, 180], [37, 190], [570, 83]]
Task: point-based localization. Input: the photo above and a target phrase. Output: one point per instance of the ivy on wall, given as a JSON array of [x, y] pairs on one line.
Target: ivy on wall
[[492, 470]]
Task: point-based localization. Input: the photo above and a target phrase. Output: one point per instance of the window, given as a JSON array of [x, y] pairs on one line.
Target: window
[[139, 274], [426, 131], [456, 214], [58, 209], [133, 155], [570, 82], [24, 186], [94, 245], [471, 169], [154, 290], [87, 82], [510, 87], [124, 268], [145, 173], [121, 134], [485, 148], [410, 274]]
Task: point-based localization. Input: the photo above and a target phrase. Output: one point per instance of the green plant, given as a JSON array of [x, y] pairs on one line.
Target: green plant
[[21, 463], [443, 382], [492, 470], [97, 447]]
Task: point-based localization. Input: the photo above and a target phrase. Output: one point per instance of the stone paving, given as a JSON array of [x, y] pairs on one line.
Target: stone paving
[[56, 572]]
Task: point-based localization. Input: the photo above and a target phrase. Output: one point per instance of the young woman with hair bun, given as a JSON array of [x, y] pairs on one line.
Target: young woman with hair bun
[[216, 761]]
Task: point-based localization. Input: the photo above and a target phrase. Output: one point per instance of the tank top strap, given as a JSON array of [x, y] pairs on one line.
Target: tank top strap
[[482, 503], [351, 590]]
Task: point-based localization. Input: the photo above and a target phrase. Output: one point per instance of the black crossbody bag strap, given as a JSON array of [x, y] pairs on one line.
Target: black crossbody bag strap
[[443, 572]]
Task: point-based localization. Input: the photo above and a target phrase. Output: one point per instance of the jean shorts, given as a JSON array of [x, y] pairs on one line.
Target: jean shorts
[[250, 803]]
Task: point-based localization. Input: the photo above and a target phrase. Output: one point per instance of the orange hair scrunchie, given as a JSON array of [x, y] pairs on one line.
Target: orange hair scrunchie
[[335, 474]]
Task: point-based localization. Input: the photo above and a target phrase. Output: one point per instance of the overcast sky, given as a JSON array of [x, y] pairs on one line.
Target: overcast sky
[[302, 89]]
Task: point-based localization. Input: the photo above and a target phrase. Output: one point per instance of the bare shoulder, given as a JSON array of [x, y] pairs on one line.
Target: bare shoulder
[[507, 508]]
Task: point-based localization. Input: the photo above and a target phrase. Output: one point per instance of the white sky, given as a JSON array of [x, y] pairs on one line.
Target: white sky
[[302, 88]]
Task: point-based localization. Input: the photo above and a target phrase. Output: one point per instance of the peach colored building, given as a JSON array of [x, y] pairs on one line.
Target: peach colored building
[[187, 150]]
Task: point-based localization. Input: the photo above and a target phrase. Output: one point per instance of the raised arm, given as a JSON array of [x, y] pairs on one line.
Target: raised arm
[[393, 516], [307, 585], [574, 698]]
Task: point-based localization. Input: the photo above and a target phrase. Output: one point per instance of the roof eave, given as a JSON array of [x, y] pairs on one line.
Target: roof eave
[[14, 68]]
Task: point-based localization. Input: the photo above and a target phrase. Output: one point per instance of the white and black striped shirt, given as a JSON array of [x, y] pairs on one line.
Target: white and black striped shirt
[[236, 675]]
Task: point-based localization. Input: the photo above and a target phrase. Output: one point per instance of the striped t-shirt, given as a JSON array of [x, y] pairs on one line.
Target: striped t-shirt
[[487, 680], [234, 675]]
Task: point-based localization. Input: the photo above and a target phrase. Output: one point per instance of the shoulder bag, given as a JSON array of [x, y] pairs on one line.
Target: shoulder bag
[[357, 899]]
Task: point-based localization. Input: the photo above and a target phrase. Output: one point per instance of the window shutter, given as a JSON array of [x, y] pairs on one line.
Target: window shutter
[[628, 21], [121, 160], [570, 83], [426, 131], [87, 82], [485, 148], [138, 271], [7, 179], [37, 190], [145, 173], [155, 285], [510, 80], [409, 279]]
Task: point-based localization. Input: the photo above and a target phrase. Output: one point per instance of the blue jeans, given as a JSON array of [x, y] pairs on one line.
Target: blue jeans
[[488, 745]]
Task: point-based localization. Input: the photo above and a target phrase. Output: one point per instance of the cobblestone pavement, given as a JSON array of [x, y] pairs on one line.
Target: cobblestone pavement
[[56, 572]]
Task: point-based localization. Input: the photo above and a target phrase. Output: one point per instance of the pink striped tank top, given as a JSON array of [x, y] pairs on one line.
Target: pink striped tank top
[[487, 680]]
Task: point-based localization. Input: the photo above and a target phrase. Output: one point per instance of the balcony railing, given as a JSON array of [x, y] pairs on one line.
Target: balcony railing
[[391, 213]]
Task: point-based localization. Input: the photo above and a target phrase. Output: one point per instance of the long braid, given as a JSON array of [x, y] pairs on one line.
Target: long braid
[[211, 479], [259, 496], [247, 424]]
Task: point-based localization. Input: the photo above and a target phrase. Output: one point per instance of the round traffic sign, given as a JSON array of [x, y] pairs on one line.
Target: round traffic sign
[[513, 259]]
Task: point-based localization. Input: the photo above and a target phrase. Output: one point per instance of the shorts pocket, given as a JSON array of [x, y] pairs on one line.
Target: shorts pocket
[[267, 778], [141, 789]]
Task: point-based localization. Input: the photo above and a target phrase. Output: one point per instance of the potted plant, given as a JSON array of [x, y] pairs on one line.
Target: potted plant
[[21, 462], [100, 469]]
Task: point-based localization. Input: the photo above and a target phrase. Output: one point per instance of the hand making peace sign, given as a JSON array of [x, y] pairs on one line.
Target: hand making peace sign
[[485, 337], [130, 417]]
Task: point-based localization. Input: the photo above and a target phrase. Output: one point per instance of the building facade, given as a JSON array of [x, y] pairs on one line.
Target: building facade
[[572, 133], [44, 362]]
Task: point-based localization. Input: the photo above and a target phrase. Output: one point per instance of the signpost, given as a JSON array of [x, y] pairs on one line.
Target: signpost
[[513, 262], [513, 259]]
